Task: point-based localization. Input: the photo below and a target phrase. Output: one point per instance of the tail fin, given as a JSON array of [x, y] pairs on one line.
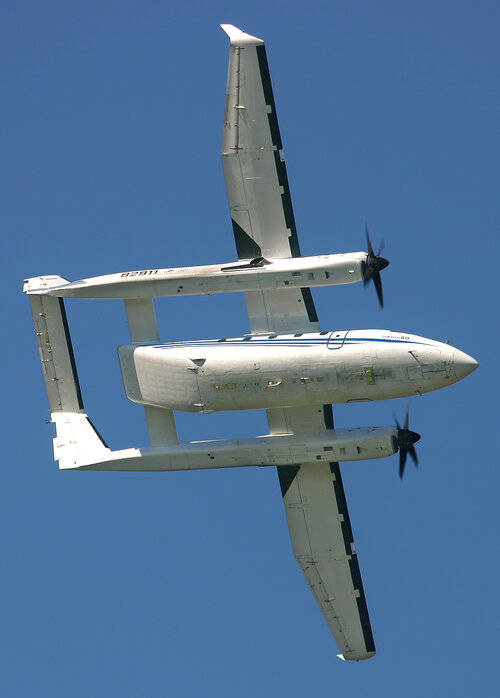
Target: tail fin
[[77, 442], [56, 354]]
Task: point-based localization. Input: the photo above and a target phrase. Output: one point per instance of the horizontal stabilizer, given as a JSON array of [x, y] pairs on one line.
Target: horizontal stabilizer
[[42, 284]]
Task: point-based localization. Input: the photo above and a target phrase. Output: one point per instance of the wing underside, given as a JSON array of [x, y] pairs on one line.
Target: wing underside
[[257, 185], [264, 226], [321, 534], [323, 545]]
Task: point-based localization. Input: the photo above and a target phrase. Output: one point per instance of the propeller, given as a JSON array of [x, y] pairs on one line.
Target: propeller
[[406, 438], [373, 266]]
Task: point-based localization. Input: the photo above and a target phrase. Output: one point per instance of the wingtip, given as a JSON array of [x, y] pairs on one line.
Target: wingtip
[[359, 658], [239, 37]]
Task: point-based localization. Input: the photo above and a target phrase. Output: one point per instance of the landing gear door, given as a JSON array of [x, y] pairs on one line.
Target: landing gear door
[[337, 339]]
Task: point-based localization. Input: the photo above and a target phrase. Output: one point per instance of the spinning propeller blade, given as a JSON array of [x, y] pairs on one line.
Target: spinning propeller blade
[[373, 266], [406, 438]]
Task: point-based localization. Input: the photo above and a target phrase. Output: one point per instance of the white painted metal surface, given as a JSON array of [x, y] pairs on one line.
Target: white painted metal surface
[[322, 540], [242, 275], [286, 370], [286, 366], [78, 445]]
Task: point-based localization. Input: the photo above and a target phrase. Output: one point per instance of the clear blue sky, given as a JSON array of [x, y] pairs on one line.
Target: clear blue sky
[[184, 584]]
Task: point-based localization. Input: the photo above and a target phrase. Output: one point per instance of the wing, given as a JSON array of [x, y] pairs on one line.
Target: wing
[[257, 185], [264, 226], [322, 540], [321, 534]]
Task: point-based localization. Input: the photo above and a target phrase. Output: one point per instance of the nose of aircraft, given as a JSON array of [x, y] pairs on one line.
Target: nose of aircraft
[[464, 364]]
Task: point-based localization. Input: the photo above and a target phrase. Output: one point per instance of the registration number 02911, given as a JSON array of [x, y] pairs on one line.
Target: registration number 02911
[[144, 272]]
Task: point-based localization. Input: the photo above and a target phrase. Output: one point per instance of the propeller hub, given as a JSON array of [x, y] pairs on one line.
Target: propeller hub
[[405, 438], [381, 262], [373, 265]]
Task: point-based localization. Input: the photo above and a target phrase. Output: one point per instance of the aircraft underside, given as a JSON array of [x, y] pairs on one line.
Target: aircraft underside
[[262, 372], [285, 365]]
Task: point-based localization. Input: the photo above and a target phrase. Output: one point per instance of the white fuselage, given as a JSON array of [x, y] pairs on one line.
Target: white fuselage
[[288, 370]]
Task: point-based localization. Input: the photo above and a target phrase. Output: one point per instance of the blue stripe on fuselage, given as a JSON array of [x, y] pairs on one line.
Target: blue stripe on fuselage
[[289, 342]]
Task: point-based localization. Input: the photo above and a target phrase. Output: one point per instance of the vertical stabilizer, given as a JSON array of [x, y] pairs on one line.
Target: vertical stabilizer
[[56, 354], [77, 442]]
